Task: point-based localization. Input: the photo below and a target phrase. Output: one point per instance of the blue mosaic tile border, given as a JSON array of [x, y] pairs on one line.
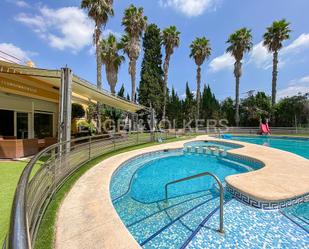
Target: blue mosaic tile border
[[229, 144], [267, 205], [253, 163]]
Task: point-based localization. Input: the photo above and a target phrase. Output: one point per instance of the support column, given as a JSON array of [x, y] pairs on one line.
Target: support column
[[65, 106]]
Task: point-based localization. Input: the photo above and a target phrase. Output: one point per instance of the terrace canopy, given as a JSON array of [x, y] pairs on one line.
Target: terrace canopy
[[45, 84], [57, 86]]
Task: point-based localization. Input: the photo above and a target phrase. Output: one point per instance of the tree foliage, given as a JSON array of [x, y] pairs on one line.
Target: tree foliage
[[150, 92], [255, 107], [111, 59], [273, 41], [240, 42], [294, 110], [170, 40], [200, 51], [134, 23], [210, 106]]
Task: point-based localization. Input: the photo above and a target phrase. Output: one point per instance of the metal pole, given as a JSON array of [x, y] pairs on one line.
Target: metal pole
[[89, 148], [65, 108]]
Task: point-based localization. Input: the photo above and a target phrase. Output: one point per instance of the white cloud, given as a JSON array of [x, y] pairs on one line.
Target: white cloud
[[263, 59], [295, 87], [223, 62], [105, 34], [64, 28], [17, 55], [298, 45], [260, 56], [19, 3], [190, 8], [22, 4]]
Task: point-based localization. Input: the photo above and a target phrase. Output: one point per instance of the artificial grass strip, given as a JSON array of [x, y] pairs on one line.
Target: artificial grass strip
[[9, 176]]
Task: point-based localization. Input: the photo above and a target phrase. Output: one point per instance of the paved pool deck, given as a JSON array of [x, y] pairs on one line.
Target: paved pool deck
[[87, 218]]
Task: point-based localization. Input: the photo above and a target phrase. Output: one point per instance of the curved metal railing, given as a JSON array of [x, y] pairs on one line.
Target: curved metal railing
[[221, 229], [48, 170]]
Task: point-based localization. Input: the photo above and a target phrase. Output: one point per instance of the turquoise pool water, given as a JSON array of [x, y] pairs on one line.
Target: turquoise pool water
[[298, 146], [191, 216]]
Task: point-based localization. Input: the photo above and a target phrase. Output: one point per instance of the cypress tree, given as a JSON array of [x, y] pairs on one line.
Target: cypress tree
[[209, 104], [121, 92], [189, 105], [174, 109], [150, 91]]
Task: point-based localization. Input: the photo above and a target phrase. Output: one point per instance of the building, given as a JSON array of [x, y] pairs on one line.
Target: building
[[35, 103]]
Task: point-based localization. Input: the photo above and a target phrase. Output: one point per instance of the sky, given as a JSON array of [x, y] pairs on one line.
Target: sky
[[56, 33]]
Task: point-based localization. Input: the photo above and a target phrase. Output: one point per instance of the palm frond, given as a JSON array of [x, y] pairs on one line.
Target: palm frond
[[276, 34]]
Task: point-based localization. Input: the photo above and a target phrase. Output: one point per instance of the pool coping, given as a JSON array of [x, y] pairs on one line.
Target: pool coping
[[88, 219]]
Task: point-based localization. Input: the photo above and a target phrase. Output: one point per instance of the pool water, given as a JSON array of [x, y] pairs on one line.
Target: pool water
[[190, 217], [298, 146], [148, 183]]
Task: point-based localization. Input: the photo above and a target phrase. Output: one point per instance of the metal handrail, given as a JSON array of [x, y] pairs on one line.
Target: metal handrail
[[221, 229], [45, 174]]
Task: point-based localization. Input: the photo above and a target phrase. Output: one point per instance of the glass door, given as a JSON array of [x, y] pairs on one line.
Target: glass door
[[22, 125], [43, 125], [6, 123]]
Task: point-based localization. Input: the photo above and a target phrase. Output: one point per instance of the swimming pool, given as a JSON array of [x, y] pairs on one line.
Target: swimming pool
[[191, 216], [295, 145]]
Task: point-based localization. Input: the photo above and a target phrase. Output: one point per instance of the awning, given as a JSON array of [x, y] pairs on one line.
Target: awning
[[44, 84]]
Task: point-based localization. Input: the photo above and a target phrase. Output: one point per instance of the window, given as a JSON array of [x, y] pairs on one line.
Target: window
[[43, 125]]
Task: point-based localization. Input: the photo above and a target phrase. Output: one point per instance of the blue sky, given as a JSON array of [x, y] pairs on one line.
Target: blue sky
[[56, 33]]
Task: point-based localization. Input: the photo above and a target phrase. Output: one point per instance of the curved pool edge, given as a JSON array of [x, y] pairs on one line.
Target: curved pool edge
[[88, 219], [284, 177]]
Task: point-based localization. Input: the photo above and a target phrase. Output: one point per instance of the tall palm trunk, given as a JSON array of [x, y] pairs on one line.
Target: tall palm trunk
[[237, 73], [274, 78], [98, 54], [99, 73], [165, 68], [111, 75], [198, 91], [132, 71]]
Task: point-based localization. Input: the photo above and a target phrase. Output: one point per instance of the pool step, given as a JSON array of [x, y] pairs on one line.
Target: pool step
[[162, 215], [299, 220], [232, 163], [182, 224]]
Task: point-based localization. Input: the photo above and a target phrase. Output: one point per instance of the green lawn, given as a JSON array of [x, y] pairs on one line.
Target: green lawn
[[9, 175]]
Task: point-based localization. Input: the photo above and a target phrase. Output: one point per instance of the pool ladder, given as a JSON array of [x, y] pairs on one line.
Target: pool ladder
[[221, 230]]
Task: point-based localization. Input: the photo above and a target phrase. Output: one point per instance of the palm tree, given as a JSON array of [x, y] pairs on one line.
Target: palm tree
[[135, 23], [111, 59], [240, 43], [99, 11], [273, 38], [170, 40], [200, 50]]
